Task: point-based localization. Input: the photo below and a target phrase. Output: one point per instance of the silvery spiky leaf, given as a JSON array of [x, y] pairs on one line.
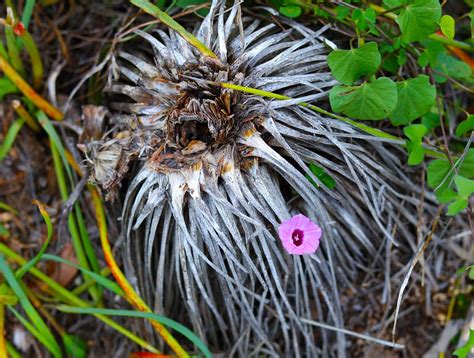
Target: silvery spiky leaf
[[214, 171]]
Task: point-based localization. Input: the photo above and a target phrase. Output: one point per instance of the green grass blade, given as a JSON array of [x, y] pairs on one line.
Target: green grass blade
[[108, 284], [3, 346], [3, 51], [58, 161], [80, 242], [27, 12], [6, 207], [86, 241], [10, 137], [13, 353], [35, 332], [7, 87], [70, 298], [54, 137], [153, 10], [13, 52], [28, 307], [148, 315], [44, 247], [35, 57]]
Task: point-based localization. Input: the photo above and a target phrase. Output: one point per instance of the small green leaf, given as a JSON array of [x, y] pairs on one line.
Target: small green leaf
[[391, 4], [417, 154], [347, 66], [424, 59], [75, 346], [465, 126], [390, 63], [464, 185], [467, 167], [447, 26], [433, 49], [415, 98], [463, 352], [341, 12], [370, 16], [419, 19], [452, 67], [185, 3], [402, 57], [457, 206], [7, 87], [321, 174], [430, 120], [319, 12], [290, 11], [374, 101], [462, 270], [415, 132], [446, 195], [359, 19], [397, 43], [471, 273], [438, 169]]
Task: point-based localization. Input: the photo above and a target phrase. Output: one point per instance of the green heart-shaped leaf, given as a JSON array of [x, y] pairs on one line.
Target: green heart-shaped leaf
[[347, 66], [446, 195], [465, 126], [372, 101], [415, 98], [450, 66], [419, 19], [447, 26], [415, 132], [464, 185], [457, 206]]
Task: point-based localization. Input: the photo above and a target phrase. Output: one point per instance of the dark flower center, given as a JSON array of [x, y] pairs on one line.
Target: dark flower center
[[297, 237]]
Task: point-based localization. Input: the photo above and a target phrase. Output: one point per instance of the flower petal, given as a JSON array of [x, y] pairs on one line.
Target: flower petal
[[312, 235]]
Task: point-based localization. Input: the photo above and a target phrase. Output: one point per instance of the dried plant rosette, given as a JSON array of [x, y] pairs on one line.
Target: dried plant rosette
[[211, 172]]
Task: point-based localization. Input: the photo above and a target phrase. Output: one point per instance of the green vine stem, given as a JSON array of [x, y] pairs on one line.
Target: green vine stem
[[363, 127]]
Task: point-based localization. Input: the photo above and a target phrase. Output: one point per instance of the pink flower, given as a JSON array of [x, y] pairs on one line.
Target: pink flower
[[299, 235]]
